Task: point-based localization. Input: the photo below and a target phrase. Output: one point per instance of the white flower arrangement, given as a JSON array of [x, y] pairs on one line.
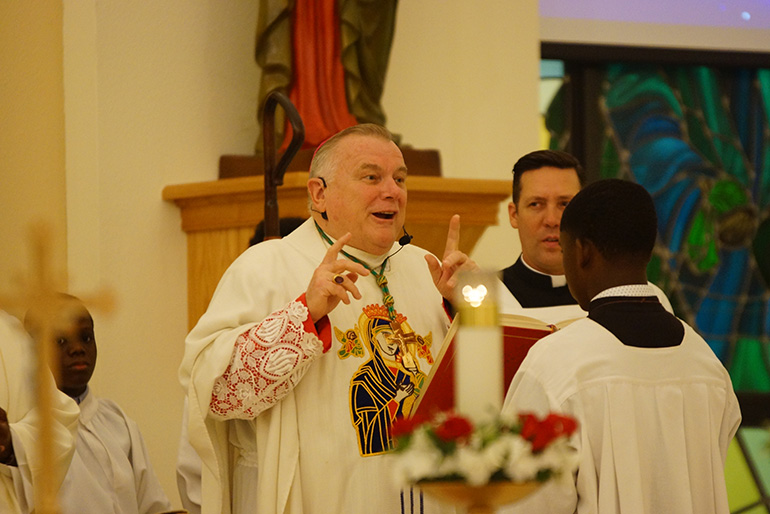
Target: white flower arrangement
[[449, 447]]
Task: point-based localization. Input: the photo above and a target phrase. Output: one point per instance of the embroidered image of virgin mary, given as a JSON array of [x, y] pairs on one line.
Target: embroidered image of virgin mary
[[386, 386]]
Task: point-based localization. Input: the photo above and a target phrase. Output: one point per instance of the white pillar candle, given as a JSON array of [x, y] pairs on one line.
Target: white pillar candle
[[479, 341]]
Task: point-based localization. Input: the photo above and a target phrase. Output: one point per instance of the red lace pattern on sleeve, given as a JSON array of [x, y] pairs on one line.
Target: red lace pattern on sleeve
[[269, 360]]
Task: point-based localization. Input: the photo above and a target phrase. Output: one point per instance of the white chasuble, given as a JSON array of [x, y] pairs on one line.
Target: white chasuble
[[289, 416]]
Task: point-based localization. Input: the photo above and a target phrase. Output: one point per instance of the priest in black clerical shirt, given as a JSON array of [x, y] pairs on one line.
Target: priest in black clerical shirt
[[544, 182]]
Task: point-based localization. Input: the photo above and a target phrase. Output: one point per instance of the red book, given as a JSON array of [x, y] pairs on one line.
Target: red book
[[519, 334]]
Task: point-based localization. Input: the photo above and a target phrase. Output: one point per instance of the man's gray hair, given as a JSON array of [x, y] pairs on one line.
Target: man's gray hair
[[324, 161]]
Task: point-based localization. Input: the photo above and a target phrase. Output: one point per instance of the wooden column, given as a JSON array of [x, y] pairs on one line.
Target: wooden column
[[219, 218]]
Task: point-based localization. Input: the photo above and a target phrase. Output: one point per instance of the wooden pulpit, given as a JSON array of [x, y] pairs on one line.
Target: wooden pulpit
[[219, 219]]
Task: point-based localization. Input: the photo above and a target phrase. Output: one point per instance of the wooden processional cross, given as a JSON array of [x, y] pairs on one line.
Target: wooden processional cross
[[40, 289]]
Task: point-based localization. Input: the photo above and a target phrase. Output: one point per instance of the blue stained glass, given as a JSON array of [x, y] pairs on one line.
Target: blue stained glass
[[626, 91], [683, 132], [766, 328], [763, 177], [754, 317], [751, 318], [680, 223], [693, 297], [715, 317], [551, 69], [629, 118], [660, 161], [722, 294], [729, 278], [720, 348], [654, 127], [740, 106]]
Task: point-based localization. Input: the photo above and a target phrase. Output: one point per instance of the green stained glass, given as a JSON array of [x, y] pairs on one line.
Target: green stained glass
[[756, 445], [763, 77], [712, 194], [763, 81], [682, 83], [555, 116], [700, 243], [727, 195], [654, 273], [631, 87], [709, 173], [700, 140], [748, 369], [761, 249], [764, 176], [610, 164], [718, 120], [742, 491], [757, 509]]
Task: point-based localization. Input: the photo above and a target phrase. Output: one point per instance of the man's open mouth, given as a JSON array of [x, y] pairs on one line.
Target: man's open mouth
[[385, 215]]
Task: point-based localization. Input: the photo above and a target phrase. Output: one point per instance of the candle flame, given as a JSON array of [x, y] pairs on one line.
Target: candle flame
[[474, 295]]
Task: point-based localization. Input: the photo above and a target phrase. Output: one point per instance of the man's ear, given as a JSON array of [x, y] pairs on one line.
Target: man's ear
[[586, 253], [317, 192], [513, 215]]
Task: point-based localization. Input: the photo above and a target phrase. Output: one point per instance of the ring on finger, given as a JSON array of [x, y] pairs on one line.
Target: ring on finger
[[338, 279]]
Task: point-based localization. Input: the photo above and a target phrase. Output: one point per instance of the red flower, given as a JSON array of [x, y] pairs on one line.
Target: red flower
[[453, 428], [562, 425], [405, 426], [542, 432]]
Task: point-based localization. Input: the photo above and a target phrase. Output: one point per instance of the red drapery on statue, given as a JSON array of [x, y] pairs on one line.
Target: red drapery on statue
[[318, 89]]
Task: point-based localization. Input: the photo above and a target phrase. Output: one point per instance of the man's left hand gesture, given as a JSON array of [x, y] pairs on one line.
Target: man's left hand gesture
[[454, 260]]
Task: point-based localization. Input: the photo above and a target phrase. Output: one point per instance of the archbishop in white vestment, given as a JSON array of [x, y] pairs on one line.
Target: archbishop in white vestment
[[307, 414]]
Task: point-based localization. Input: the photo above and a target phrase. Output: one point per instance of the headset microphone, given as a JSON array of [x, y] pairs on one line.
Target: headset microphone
[[406, 238], [322, 213]]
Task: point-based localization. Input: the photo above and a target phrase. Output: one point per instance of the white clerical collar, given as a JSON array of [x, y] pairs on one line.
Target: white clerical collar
[[628, 290], [373, 260], [556, 280], [370, 259]]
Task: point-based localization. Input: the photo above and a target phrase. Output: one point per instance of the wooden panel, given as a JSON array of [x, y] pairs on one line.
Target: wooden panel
[[209, 253], [219, 218]]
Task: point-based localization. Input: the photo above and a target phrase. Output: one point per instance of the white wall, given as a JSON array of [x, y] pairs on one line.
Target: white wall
[[31, 139], [155, 92], [463, 78]]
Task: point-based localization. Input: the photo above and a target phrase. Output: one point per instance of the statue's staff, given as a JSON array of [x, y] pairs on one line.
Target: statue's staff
[[274, 174]]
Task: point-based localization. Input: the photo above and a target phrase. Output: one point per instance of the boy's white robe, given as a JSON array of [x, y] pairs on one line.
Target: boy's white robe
[[655, 423], [17, 397], [110, 471]]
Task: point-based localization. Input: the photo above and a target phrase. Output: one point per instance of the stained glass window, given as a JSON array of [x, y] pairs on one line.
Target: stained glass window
[[698, 138]]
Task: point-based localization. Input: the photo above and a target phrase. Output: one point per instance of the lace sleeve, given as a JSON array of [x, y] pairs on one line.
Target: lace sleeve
[[269, 360]]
